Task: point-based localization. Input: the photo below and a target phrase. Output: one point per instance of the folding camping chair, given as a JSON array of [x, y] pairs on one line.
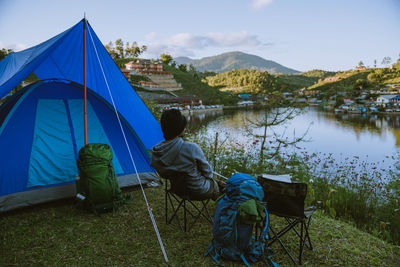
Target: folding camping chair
[[286, 199], [178, 198]]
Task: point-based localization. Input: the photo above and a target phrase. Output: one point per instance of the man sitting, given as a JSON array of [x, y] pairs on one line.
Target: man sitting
[[187, 158]]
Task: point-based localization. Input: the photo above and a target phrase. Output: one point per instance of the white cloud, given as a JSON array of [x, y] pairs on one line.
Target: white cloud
[[188, 40], [186, 44], [234, 39], [258, 4], [214, 39], [156, 49]]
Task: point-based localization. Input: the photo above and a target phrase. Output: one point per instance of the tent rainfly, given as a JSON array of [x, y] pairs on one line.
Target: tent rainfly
[[42, 129]]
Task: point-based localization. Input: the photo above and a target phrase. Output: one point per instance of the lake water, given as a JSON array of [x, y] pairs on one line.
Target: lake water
[[373, 139]]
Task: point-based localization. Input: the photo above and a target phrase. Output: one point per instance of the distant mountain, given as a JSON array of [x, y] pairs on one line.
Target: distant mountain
[[235, 60], [183, 60]]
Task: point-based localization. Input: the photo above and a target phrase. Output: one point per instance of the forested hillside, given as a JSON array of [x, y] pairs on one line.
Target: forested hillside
[[192, 85], [245, 81]]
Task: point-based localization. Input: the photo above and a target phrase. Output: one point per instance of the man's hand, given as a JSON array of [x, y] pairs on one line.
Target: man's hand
[[221, 185]]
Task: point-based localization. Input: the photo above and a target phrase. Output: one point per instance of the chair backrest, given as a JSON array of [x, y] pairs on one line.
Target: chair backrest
[[177, 180], [283, 198]]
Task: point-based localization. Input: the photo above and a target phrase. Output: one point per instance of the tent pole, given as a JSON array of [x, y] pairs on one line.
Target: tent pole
[[84, 81]]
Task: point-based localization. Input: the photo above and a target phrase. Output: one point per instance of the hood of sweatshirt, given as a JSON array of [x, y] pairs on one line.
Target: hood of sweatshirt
[[166, 152]]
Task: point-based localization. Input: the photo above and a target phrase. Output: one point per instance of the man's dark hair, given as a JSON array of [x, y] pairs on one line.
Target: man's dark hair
[[172, 123]]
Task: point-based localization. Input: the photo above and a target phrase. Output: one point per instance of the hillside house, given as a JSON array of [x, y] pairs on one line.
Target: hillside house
[[395, 99], [244, 96], [145, 66], [348, 101], [384, 99], [149, 84], [301, 100], [126, 73]]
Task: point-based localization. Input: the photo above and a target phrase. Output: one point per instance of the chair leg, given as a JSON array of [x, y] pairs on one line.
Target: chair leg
[[303, 236], [208, 217], [301, 242], [184, 213], [200, 212], [277, 237], [166, 202], [175, 214], [306, 235]]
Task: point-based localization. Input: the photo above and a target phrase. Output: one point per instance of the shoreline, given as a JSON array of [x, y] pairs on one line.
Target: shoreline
[[191, 111]]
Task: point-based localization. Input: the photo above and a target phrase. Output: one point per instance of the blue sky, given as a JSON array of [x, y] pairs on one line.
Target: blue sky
[[299, 34]]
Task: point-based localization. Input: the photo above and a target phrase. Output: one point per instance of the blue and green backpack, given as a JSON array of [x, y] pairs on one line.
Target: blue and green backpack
[[234, 219]]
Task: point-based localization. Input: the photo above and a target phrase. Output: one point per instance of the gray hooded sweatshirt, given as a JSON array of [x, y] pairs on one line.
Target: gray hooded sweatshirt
[[186, 157]]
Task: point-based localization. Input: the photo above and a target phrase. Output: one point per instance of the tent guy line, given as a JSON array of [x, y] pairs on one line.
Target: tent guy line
[[130, 154]]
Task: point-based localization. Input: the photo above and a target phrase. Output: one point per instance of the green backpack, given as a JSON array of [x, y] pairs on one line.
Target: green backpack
[[98, 186]]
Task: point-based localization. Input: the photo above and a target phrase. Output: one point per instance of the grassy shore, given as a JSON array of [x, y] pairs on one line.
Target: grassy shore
[[62, 235]]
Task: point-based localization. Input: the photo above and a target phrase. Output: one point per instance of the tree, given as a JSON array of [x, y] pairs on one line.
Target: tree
[[182, 67], [166, 58], [134, 50], [245, 81], [278, 111], [361, 64], [397, 65], [5, 52], [358, 86], [119, 46], [118, 50], [374, 63], [386, 61]]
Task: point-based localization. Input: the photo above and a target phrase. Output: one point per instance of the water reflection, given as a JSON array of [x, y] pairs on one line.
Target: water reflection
[[202, 119], [370, 137]]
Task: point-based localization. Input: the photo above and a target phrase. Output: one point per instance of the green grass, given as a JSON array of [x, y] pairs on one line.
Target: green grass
[[63, 235]]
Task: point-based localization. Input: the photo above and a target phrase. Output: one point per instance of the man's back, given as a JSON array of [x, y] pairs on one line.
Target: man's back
[[184, 157]]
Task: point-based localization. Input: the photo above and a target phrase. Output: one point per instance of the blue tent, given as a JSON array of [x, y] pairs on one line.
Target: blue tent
[[41, 126]]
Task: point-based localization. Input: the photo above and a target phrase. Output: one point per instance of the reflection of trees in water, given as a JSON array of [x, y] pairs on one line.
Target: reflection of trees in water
[[375, 124], [394, 124], [371, 123], [358, 122], [196, 120]]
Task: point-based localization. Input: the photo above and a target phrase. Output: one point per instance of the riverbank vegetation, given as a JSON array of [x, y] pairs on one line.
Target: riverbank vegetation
[[357, 192]]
